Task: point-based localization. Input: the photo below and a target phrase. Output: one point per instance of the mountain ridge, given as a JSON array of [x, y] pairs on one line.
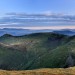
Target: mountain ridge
[[37, 50]]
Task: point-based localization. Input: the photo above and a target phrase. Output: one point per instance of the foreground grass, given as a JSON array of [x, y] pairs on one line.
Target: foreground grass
[[68, 71]]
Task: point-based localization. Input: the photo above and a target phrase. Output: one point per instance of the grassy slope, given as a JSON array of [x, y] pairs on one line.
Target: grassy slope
[[41, 50], [55, 71], [11, 58], [56, 57]]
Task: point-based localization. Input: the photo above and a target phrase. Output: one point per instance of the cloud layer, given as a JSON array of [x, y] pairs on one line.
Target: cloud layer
[[37, 21]]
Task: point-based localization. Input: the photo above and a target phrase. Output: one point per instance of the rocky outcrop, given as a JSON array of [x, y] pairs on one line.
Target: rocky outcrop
[[69, 62]]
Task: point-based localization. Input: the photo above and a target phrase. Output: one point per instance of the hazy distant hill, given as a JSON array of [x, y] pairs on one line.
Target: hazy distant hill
[[66, 32], [39, 50], [21, 32]]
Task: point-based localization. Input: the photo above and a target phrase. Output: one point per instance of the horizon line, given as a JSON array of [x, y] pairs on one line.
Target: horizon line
[[42, 27]]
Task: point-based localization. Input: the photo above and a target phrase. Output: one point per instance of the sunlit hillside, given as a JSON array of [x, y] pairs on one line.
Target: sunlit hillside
[[56, 71]]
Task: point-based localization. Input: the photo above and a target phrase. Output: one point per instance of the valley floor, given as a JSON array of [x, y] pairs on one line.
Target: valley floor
[[68, 71]]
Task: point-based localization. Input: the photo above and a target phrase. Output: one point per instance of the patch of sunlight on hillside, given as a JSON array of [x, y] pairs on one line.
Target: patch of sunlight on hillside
[[60, 71]]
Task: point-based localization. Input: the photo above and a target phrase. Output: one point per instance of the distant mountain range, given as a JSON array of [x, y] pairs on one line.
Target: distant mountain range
[[20, 32], [69, 32]]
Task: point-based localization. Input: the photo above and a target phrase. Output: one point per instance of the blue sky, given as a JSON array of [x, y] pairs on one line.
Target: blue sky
[[37, 6], [47, 7]]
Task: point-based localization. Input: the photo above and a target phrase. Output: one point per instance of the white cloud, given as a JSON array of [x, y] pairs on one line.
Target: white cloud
[[20, 20], [3, 24]]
